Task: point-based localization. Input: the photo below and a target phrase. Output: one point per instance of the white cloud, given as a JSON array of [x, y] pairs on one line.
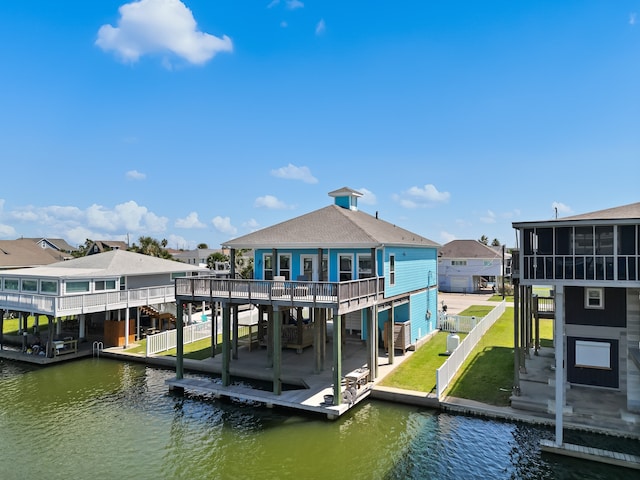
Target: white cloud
[[420, 197], [284, 24], [291, 172], [489, 218], [320, 27], [190, 221], [294, 4], [561, 208], [632, 18], [273, 3], [135, 175], [223, 225], [447, 237], [160, 26], [368, 197], [251, 224], [271, 202]]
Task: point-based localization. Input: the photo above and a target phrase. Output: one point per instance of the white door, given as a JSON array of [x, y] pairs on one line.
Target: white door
[[309, 267]]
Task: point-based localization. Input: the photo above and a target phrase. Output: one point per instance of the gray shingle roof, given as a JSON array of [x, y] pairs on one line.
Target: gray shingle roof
[[468, 249], [111, 263], [25, 252], [624, 212], [331, 227]]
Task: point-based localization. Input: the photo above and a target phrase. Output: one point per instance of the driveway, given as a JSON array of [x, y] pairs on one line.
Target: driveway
[[457, 302]]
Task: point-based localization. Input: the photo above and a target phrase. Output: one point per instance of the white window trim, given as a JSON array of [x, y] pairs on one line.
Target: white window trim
[[392, 269], [290, 269], [340, 255], [600, 296], [264, 265], [358, 257]]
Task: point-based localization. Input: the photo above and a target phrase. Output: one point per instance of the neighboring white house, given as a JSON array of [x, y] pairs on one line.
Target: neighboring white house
[[466, 266], [95, 289]]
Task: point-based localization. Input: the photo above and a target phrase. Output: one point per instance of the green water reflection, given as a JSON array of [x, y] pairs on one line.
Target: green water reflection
[[101, 418]]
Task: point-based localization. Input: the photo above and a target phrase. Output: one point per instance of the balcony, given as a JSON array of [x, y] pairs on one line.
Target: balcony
[[343, 296], [58, 306]]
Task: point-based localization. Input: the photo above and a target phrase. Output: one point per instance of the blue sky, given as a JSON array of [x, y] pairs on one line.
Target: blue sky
[[199, 121]]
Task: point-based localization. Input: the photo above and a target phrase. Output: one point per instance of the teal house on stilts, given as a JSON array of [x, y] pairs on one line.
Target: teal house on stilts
[[333, 274]]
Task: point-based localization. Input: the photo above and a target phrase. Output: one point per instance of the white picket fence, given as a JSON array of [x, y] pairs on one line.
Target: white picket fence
[[456, 323], [167, 340], [448, 370]]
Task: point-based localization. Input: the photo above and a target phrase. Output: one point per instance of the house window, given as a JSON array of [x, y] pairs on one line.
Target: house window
[[49, 286], [594, 298], [173, 277], [325, 270], [392, 269], [29, 285], [345, 267], [458, 263], [487, 263], [11, 284], [105, 285], [593, 354], [285, 266], [123, 283], [77, 287], [267, 267], [365, 266]]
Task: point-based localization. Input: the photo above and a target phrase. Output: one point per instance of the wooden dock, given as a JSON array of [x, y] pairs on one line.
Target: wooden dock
[[593, 454]]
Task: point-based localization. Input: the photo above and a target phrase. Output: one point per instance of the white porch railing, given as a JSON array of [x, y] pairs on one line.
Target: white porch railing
[[86, 303], [163, 341], [448, 370]]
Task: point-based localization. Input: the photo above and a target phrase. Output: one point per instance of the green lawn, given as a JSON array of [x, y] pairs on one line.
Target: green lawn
[[487, 374], [10, 326]]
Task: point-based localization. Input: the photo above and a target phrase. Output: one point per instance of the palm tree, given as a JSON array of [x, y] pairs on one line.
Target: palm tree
[[484, 240]]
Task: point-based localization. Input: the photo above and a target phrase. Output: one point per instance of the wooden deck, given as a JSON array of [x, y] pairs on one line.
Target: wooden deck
[[343, 296], [303, 388], [592, 454]]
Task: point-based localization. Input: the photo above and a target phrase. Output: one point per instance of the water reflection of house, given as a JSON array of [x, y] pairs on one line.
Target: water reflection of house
[[591, 263], [97, 297], [334, 266]]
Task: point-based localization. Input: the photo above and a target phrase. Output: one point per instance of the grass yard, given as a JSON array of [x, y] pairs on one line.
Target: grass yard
[[419, 371], [10, 326]]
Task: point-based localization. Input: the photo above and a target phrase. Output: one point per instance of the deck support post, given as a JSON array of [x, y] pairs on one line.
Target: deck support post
[[179, 341], [235, 331], [226, 347], [558, 328], [214, 328], [371, 360], [277, 351], [374, 342], [337, 358], [317, 338], [1, 329], [391, 348], [516, 340]]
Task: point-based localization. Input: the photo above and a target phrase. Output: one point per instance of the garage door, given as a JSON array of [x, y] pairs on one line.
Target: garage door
[[459, 284]]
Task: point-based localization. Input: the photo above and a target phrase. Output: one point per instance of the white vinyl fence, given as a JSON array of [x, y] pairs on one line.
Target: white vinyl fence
[[447, 371], [167, 340]]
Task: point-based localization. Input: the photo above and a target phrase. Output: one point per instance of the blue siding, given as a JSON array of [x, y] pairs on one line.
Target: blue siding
[[416, 268]]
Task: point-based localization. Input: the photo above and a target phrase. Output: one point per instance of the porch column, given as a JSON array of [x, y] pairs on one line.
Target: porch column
[[226, 346], [137, 336], [391, 348], [2, 329], [49, 348], [558, 328], [369, 340], [277, 351], [516, 338], [36, 323], [214, 328], [126, 327], [317, 338], [235, 331], [82, 327], [179, 341], [59, 324], [374, 341], [320, 276], [337, 358]]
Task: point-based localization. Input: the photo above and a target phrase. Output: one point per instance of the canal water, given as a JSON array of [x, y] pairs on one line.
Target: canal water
[[106, 419]]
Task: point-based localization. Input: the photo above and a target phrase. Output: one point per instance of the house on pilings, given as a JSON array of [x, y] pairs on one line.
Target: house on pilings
[[319, 277]]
